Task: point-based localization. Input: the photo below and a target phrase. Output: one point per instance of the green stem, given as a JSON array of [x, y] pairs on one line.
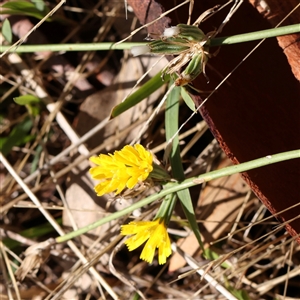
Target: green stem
[[257, 35], [166, 208], [70, 47], [240, 38], [243, 167]]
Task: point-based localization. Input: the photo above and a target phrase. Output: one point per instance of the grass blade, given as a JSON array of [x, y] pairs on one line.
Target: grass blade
[[171, 119]]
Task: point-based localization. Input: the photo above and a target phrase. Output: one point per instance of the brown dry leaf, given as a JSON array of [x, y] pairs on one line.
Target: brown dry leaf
[[36, 292], [98, 106], [219, 204], [35, 255], [84, 207]]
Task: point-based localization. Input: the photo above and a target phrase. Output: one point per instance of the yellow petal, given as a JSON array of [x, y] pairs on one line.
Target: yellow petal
[[136, 241], [155, 233], [136, 226], [125, 168], [164, 250]]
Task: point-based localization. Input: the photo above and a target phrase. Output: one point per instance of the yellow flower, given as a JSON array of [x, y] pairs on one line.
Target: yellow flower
[[124, 168], [156, 234]]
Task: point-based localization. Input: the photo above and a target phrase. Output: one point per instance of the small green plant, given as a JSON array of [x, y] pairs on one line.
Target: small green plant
[[134, 169], [36, 9]]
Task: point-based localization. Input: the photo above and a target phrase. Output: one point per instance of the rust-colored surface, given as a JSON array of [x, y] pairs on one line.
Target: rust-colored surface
[[147, 11], [257, 111], [289, 43]]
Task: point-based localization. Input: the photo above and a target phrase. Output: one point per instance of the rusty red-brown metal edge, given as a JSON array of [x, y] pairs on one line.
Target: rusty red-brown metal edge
[[256, 112]]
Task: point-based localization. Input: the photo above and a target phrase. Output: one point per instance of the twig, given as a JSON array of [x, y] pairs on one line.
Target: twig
[[50, 219], [212, 282]]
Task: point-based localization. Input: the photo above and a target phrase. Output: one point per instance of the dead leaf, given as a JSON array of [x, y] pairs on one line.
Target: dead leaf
[[219, 205], [35, 255]]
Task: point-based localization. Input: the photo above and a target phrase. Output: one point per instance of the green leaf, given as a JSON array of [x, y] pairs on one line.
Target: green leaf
[[6, 30], [171, 119], [26, 99], [30, 102], [18, 135], [212, 255], [39, 4], [143, 92], [167, 206], [239, 294], [36, 158], [187, 99], [22, 8], [33, 110]]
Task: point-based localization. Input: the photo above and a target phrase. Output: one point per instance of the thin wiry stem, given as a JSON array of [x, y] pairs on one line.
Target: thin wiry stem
[[243, 167], [240, 38]]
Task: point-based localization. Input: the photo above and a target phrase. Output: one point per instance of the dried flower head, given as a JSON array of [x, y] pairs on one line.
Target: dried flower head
[[140, 50], [190, 45], [35, 256]]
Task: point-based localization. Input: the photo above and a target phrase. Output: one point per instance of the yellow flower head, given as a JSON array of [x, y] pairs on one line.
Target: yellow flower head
[[156, 234], [124, 168]]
